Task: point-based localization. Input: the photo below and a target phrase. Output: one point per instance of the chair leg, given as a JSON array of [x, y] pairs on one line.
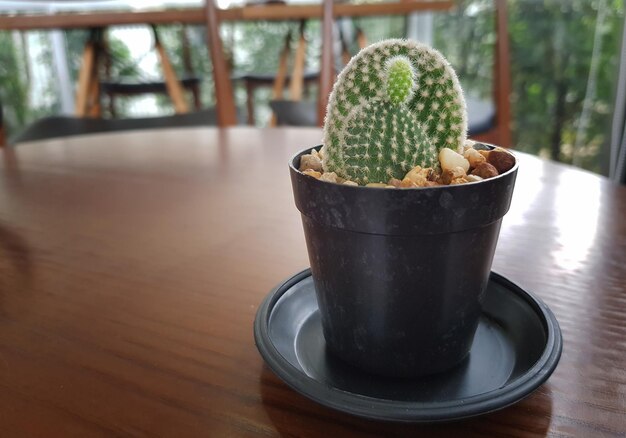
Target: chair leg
[[361, 38], [195, 92], [94, 108], [345, 49], [250, 101], [85, 76], [112, 112], [172, 84], [297, 75], [281, 74]]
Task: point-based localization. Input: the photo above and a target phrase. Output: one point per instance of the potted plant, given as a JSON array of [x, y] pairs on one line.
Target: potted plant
[[401, 213]]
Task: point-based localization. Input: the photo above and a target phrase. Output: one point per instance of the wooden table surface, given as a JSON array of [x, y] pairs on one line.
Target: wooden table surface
[[132, 265]]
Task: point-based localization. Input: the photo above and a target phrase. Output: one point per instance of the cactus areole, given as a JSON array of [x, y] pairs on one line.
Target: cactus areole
[[395, 106]]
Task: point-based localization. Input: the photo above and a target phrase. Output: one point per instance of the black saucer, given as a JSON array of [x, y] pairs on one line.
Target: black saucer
[[516, 348]]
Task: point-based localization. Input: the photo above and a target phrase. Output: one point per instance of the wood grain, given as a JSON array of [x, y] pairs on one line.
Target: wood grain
[[132, 265]]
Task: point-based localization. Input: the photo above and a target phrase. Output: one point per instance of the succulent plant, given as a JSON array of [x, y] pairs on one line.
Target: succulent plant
[[394, 106]]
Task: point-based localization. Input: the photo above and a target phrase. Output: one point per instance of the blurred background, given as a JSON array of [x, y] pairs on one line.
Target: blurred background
[[564, 58]]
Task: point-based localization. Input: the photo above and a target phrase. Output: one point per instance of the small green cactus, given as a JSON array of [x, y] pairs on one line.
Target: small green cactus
[[394, 106]]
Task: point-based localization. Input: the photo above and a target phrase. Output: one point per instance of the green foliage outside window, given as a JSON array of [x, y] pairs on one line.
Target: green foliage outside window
[[551, 43]]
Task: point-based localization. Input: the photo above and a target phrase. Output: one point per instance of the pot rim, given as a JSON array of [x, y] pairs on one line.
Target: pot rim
[[429, 210], [292, 161]]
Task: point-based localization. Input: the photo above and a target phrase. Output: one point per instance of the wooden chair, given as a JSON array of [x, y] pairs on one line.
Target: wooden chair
[[293, 110], [172, 85], [91, 86], [296, 113], [299, 80], [86, 121]]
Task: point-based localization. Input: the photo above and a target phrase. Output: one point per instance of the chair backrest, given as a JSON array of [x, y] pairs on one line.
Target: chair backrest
[[225, 103]]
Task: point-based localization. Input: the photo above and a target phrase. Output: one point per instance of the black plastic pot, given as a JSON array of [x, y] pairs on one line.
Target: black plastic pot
[[400, 273]]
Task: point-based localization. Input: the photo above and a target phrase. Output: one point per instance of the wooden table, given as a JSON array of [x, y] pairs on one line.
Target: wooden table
[[132, 265]]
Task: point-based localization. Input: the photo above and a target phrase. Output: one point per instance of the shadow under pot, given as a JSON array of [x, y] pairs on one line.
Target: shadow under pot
[[400, 274]]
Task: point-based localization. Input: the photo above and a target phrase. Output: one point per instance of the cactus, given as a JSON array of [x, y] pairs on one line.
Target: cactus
[[393, 107]]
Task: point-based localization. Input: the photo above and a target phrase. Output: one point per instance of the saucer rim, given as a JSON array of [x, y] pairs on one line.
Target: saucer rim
[[411, 411]]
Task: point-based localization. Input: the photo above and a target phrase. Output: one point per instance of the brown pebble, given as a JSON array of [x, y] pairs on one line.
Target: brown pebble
[[449, 175], [330, 177], [312, 162], [501, 160], [407, 183], [485, 170], [418, 175], [312, 173]]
